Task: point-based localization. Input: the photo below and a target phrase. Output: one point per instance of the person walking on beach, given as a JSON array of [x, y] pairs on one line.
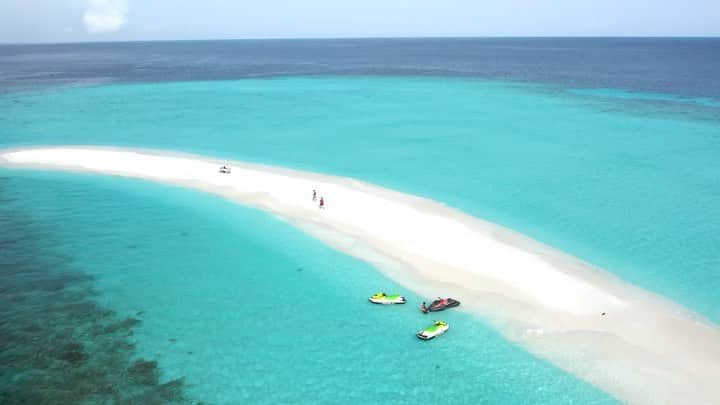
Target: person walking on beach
[[314, 194], [322, 203]]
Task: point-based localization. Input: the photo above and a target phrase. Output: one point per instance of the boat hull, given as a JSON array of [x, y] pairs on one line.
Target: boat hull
[[437, 305], [430, 335]]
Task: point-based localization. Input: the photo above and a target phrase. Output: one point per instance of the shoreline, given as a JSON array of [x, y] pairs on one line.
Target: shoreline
[[646, 349]]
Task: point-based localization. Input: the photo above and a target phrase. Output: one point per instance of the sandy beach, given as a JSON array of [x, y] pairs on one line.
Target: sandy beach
[[629, 342]]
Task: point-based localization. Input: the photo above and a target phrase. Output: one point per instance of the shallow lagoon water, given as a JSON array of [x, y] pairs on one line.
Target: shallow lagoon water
[[235, 305], [615, 162], [624, 183], [243, 307]]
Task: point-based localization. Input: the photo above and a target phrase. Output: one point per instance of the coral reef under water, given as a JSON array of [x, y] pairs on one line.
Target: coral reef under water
[[57, 345]]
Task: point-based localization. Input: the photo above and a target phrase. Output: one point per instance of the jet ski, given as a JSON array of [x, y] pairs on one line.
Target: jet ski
[[382, 298], [434, 330], [443, 303]]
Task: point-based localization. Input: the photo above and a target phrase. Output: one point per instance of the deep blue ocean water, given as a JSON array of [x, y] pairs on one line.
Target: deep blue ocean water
[[605, 148], [678, 66]]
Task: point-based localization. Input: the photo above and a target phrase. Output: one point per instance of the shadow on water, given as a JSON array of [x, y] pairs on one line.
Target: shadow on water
[[57, 345]]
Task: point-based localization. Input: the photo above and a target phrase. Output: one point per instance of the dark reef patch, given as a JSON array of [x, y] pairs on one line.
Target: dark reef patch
[[124, 326], [144, 372], [57, 345]]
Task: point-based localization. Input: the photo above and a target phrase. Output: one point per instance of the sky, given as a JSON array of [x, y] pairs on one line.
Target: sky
[[23, 21]]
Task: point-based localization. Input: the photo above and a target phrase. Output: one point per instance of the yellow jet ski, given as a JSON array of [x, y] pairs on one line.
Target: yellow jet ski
[[382, 298]]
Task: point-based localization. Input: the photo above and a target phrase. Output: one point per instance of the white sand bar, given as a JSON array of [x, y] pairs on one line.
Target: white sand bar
[[644, 350]]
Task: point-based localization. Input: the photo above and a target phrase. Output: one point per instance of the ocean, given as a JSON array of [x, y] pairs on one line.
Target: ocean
[[121, 290]]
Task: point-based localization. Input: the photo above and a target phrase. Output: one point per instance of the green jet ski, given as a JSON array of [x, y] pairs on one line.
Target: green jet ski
[[434, 330], [382, 298]]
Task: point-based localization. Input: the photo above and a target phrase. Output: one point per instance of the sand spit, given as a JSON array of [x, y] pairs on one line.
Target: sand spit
[[644, 349]]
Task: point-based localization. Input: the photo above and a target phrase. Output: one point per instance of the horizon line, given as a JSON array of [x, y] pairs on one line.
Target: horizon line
[[366, 38]]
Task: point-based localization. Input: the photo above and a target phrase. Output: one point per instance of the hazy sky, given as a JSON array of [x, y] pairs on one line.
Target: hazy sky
[[113, 20]]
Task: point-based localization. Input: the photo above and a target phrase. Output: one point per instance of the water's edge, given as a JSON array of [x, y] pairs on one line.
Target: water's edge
[[654, 308]]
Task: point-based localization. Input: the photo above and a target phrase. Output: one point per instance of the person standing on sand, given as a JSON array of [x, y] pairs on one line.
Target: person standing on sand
[[314, 194], [322, 203]]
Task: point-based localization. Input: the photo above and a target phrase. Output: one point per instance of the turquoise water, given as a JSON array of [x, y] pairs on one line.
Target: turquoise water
[[607, 175], [236, 306]]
